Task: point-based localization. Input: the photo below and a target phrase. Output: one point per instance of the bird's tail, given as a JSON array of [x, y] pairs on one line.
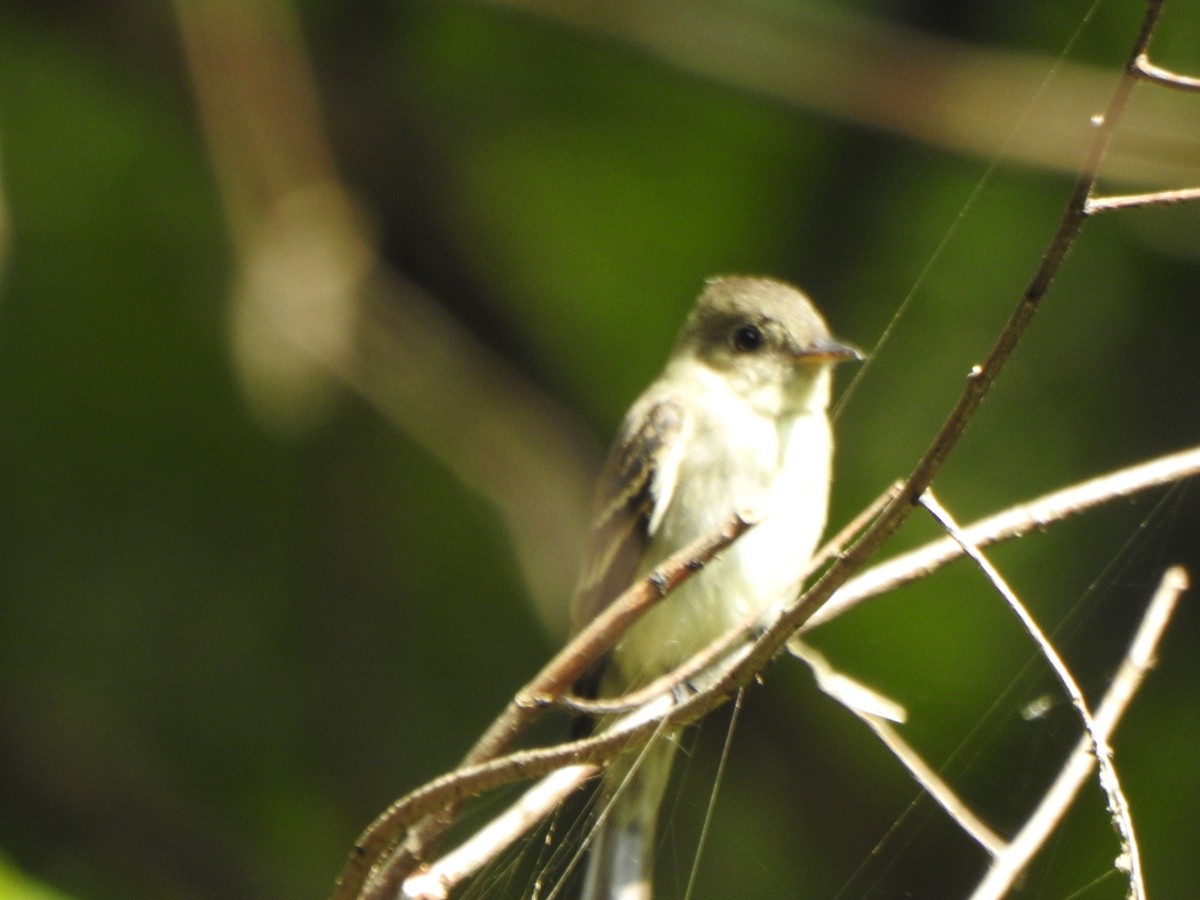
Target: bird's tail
[[621, 859]]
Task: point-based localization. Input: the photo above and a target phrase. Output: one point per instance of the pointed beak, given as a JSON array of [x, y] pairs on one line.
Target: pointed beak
[[829, 350]]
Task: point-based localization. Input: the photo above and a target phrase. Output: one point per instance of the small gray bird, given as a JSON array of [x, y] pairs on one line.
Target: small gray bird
[[737, 420]]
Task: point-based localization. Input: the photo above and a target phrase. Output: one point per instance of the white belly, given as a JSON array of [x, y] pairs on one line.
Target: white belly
[[779, 473]]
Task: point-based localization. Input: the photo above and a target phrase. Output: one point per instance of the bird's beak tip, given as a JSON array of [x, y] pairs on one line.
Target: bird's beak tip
[[833, 351]]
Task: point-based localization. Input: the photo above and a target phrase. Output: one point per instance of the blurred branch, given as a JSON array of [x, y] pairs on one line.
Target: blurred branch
[[316, 305], [880, 75], [5, 224]]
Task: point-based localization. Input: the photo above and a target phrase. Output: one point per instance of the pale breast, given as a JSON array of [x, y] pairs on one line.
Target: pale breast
[[735, 460]]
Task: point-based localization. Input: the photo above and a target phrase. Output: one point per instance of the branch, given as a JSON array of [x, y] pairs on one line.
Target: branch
[[316, 305], [436, 882], [1100, 749], [978, 383], [711, 655], [548, 687], [1011, 523], [829, 59], [878, 714], [529, 703], [1137, 201], [1147, 71], [1138, 661]]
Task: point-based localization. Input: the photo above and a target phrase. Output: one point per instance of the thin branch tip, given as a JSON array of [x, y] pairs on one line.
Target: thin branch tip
[[1177, 579]]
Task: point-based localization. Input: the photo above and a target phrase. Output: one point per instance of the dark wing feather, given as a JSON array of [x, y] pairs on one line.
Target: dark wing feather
[[631, 487]]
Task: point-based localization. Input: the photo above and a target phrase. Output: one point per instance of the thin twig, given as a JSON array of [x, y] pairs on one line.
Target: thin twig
[[1138, 201], [1013, 522], [537, 696], [436, 881], [629, 732], [978, 383], [709, 655], [1117, 803], [1147, 71], [926, 776], [1006, 868]]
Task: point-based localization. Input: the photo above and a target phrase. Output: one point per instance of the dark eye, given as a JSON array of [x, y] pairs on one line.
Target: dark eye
[[748, 338]]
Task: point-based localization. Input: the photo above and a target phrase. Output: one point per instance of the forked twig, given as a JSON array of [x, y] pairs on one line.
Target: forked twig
[[1013, 522], [1140, 659], [925, 775], [1117, 803], [978, 383], [385, 833]]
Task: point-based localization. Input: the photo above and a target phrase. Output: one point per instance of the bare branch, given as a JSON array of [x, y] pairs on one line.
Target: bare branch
[[1164, 77], [529, 703], [1138, 661], [1011, 523], [1137, 201], [978, 383], [436, 881], [709, 655], [1117, 803], [925, 775]]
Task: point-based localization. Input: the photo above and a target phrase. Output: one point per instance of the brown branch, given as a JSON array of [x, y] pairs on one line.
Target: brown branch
[[471, 781], [709, 655], [466, 782], [1011, 523], [530, 703], [436, 881], [383, 836], [979, 381]]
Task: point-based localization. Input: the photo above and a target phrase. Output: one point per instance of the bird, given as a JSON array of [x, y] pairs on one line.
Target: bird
[[737, 420]]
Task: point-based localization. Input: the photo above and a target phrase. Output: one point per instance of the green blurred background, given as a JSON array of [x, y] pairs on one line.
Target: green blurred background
[[315, 321]]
